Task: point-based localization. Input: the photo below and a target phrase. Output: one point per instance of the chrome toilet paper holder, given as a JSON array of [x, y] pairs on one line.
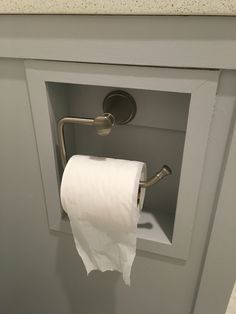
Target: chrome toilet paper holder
[[119, 108]]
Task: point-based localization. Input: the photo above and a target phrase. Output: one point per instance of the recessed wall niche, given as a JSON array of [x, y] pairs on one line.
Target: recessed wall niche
[[172, 124], [156, 136]]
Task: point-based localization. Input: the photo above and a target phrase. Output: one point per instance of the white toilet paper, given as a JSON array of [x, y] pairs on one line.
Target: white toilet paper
[[102, 199]]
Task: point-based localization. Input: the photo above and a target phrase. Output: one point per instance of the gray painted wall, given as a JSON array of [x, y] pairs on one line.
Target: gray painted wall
[[40, 271]]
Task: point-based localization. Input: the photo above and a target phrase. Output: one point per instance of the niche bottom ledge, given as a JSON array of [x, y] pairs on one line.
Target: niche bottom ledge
[[156, 227], [153, 226]]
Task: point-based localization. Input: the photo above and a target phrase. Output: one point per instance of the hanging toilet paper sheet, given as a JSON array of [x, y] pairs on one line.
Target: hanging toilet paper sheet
[[103, 201]]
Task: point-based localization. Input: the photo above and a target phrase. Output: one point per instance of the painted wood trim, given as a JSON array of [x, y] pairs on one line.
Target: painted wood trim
[[168, 41], [219, 271]]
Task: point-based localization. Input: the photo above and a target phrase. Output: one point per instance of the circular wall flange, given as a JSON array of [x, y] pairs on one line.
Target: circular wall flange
[[121, 105]]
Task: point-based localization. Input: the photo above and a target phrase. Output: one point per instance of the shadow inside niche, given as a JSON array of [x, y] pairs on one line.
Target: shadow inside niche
[[93, 294], [145, 225]]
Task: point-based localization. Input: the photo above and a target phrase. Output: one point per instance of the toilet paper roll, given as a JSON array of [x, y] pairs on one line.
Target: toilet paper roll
[[103, 201]]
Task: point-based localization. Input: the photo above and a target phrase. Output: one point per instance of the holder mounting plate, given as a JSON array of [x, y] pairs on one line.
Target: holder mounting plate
[[121, 105]]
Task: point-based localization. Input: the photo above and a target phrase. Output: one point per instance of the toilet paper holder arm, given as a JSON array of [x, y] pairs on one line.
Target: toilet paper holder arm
[[103, 125]]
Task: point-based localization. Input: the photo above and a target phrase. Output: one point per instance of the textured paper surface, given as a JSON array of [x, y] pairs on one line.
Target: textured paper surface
[[100, 197]]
